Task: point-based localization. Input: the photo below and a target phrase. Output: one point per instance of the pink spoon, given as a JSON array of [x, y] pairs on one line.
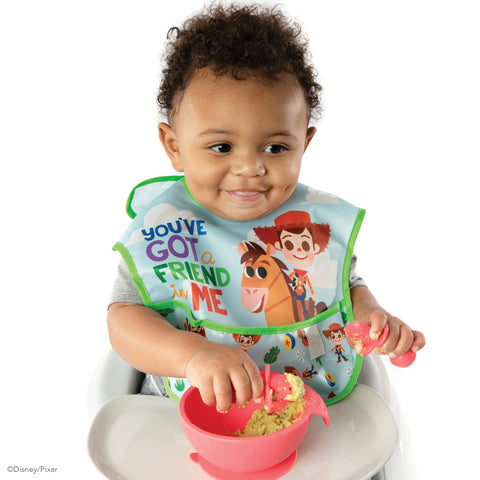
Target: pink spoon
[[360, 334], [281, 387], [268, 395]]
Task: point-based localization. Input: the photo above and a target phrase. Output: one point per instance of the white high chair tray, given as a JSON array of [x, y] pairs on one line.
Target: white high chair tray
[[140, 436]]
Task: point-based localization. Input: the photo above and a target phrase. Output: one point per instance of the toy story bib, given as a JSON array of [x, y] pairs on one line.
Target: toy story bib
[[277, 286]]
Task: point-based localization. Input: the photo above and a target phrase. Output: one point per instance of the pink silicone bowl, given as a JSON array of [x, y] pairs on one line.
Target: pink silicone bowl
[[211, 432]]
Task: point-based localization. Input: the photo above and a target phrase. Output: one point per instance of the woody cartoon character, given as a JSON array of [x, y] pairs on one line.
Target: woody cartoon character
[[246, 341], [336, 334], [299, 240]]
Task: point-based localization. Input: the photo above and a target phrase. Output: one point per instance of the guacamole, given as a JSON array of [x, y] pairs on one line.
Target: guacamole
[[262, 422]]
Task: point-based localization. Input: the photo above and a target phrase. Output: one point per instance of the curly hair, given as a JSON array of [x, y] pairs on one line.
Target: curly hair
[[240, 40]]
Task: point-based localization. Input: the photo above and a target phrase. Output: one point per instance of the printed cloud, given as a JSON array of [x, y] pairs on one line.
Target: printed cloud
[[323, 273], [252, 237], [158, 215], [316, 196]]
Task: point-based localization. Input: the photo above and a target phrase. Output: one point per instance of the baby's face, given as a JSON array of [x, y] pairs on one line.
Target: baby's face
[[239, 143]]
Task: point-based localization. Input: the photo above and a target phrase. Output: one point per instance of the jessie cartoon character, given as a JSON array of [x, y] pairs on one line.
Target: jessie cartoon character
[[336, 334], [299, 240]]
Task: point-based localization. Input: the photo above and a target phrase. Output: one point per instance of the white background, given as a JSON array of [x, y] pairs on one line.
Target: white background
[[78, 129]]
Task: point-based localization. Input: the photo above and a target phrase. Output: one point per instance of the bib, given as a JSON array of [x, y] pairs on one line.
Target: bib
[[277, 286]]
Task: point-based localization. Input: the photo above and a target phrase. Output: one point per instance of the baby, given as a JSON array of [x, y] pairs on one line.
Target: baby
[[239, 94]]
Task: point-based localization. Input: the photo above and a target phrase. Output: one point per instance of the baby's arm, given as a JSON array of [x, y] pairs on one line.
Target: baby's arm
[[400, 338], [145, 340]]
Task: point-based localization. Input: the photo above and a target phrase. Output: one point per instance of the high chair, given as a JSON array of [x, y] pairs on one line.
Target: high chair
[[139, 436]]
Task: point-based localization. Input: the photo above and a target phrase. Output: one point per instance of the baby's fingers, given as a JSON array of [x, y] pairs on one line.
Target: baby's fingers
[[222, 388], [242, 387], [256, 381], [418, 341], [400, 339], [378, 321], [206, 391], [247, 383]]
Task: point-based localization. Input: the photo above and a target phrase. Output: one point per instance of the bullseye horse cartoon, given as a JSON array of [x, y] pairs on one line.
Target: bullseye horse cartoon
[[266, 285]]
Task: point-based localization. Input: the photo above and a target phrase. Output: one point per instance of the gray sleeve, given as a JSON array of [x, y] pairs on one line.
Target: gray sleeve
[[124, 290], [355, 280]]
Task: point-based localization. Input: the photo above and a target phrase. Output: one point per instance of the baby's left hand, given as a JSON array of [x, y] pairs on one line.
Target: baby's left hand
[[400, 337]]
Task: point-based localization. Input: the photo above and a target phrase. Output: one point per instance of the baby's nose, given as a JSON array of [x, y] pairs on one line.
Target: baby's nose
[[249, 165]]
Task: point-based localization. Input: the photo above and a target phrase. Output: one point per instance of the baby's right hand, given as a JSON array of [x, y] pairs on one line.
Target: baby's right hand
[[218, 371]]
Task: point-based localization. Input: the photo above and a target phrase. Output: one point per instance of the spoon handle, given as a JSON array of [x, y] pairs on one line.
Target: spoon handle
[[268, 396]]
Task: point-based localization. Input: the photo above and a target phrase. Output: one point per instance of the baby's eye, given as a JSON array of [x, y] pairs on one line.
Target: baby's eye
[[275, 149], [222, 148]]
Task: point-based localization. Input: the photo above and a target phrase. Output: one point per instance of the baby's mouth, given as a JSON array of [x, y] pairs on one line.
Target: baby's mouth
[[246, 195]]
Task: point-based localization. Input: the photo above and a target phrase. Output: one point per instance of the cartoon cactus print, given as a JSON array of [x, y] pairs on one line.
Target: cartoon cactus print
[[179, 385], [272, 355], [164, 312]]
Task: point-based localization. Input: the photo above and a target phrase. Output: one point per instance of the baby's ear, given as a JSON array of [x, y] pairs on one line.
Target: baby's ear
[[308, 138], [169, 141]]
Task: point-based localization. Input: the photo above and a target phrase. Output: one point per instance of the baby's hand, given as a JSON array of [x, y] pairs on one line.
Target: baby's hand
[[219, 371], [400, 337]]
